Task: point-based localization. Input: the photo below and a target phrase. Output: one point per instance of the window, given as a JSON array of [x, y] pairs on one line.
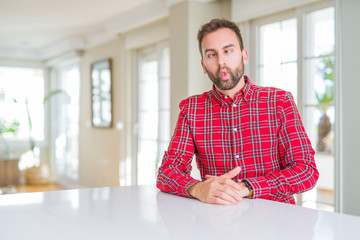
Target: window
[[153, 113], [319, 105], [301, 60], [278, 55], [22, 89], [65, 122]]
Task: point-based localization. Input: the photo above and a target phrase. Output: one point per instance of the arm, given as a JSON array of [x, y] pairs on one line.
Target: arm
[[296, 157], [174, 172]]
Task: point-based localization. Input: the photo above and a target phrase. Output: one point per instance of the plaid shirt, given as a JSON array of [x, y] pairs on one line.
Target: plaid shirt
[[260, 130]]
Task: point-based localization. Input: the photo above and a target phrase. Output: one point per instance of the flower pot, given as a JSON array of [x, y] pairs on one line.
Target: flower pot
[[9, 171], [37, 175]]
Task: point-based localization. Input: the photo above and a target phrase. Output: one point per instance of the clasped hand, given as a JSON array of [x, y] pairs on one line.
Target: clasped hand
[[220, 189]]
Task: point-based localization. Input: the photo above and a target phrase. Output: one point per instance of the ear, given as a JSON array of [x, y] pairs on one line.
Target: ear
[[203, 66], [245, 56]]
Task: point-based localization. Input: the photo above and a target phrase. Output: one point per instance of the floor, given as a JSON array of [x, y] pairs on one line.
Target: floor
[[324, 200], [38, 188], [23, 188]]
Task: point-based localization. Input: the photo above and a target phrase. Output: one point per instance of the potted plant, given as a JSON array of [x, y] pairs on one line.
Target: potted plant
[[6, 129], [324, 98], [10, 174], [39, 173]]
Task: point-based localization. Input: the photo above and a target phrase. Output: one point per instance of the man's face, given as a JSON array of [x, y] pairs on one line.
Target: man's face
[[223, 59]]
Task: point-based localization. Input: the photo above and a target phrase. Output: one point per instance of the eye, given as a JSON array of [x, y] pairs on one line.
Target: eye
[[211, 55], [228, 50]]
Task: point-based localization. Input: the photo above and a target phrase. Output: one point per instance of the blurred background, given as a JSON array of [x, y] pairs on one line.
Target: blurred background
[[89, 89]]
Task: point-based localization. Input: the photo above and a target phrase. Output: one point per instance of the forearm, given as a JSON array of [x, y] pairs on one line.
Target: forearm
[[174, 175], [295, 179]]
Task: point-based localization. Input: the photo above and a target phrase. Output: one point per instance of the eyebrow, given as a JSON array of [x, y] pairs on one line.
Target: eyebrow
[[213, 50]]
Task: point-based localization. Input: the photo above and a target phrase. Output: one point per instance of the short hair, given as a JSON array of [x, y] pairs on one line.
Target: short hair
[[216, 24]]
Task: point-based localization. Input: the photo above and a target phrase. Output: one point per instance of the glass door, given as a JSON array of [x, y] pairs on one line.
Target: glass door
[[153, 110]]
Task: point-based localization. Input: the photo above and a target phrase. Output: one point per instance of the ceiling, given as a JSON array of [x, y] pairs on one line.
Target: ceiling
[[31, 29]]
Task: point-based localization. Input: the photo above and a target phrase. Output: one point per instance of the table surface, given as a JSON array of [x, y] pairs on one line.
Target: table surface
[[143, 212]]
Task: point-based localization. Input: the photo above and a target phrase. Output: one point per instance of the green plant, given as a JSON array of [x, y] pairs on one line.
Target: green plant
[[8, 128], [326, 69], [31, 138], [324, 98]]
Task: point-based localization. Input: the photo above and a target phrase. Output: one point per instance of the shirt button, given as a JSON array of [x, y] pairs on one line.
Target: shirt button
[[235, 129], [234, 105], [226, 97], [237, 156]]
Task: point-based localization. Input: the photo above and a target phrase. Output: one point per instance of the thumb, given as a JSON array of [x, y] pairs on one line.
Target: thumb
[[234, 172]]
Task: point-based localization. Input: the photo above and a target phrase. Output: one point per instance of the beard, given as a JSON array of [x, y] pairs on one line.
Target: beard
[[231, 82]]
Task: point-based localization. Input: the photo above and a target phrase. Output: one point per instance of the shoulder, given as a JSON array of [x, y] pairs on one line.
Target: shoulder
[[271, 94], [195, 101]]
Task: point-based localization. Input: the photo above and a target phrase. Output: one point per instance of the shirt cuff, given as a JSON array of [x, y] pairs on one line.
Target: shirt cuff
[[260, 186], [187, 186]]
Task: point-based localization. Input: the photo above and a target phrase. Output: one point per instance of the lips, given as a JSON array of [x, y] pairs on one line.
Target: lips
[[224, 74]]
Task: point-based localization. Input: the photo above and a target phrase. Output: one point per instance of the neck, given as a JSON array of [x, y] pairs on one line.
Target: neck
[[232, 92]]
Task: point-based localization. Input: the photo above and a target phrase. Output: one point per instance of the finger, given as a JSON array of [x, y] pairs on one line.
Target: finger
[[234, 193], [232, 173], [227, 195], [221, 201], [230, 183]]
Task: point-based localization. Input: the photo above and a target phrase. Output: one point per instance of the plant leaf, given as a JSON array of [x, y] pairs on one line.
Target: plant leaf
[[52, 93]]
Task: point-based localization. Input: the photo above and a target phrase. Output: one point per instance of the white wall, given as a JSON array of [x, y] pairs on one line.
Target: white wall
[[348, 52]]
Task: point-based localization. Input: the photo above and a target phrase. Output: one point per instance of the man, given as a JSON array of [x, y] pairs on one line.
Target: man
[[249, 141]]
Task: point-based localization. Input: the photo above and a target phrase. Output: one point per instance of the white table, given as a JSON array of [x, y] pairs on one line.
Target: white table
[[143, 212]]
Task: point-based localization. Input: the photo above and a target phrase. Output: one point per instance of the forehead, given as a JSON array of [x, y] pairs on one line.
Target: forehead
[[219, 38]]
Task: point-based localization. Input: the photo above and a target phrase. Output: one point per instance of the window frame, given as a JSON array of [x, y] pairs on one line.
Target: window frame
[[299, 13], [53, 71], [157, 47]]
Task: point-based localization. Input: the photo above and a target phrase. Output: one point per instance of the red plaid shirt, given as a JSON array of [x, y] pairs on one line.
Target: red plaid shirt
[[260, 130]]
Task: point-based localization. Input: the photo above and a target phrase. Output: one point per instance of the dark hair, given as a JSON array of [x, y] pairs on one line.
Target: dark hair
[[216, 24]]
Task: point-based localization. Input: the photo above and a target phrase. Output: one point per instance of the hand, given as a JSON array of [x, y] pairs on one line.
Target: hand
[[220, 190]]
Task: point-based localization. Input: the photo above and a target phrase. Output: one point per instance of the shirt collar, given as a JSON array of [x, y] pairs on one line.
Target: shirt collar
[[244, 93]]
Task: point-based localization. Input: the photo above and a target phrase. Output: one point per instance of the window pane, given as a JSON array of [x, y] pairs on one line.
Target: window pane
[[148, 68], [289, 40], [321, 32], [148, 125], [20, 87], [147, 154], [270, 44], [153, 110], [278, 55], [321, 134], [289, 78], [165, 126], [66, 119], [148, 95], [320, 81], [164, 90]]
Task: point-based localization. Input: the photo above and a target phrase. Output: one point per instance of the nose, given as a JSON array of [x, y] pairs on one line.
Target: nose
[[221, 60]]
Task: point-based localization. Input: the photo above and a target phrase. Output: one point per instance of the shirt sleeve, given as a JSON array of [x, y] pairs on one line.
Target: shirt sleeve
[[174, 172], [296, 158]]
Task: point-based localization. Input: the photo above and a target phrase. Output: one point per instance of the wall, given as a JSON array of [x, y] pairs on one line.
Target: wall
[[99, 151], [348, 50], [187, 77]]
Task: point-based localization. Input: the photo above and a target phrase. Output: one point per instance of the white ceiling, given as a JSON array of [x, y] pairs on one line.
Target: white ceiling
[[30, 28]]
